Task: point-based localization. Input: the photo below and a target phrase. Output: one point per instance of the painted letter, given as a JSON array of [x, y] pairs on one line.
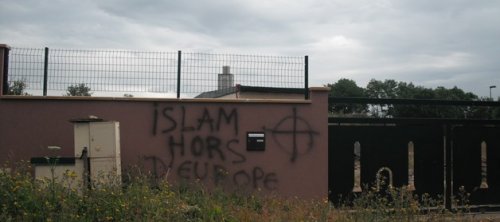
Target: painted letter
[[197, 146], [271, 181], [242, 158], [171, 145], [219, 174], [245, 178], [205, 172], [184, 170], [183, 123], [213, 145], [232, 116], [206, 119], [172, 120], [257, 174]]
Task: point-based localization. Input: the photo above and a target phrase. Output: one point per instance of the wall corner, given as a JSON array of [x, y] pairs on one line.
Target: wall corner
[[318, 93], [319, 102]]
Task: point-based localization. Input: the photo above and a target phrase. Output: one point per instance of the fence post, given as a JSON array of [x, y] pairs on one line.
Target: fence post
[[306, 77], [45, 71], [179, 74], [448, 164], [4, 69]]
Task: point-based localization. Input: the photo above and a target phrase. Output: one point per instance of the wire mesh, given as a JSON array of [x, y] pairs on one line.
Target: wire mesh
[[113, 71], [147, 74], [200, 71], [26, 65]]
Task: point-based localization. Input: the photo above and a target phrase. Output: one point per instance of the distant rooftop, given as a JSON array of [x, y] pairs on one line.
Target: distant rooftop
[[249, 89]]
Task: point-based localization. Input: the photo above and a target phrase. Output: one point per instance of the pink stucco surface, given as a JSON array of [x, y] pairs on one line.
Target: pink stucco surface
[[201, 140]]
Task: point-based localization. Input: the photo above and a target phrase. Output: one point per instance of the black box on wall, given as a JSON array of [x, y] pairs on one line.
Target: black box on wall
[[256, 141]]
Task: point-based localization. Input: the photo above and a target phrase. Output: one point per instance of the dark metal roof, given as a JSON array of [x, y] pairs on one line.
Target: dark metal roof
[[413, 121], [258, 89], [271, 89], [88, 119], [217, 93], [358, 100]]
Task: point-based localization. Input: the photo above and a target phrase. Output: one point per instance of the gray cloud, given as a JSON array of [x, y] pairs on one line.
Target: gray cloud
[[430, 43]]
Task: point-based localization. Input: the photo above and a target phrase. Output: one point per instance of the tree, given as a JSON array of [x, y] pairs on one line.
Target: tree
[[347, 88], [455, 111], [391, 89], [484, 112], [78, 90], [410, 91], [381, 90], [17, 88]]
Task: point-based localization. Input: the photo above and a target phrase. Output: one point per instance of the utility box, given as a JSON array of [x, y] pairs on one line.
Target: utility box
[[65, 170], [101, 140], [96, 159]]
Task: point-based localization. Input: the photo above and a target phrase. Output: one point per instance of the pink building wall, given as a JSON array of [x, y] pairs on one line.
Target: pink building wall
[[193, 139]]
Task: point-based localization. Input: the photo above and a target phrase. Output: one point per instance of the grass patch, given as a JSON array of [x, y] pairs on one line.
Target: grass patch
[[141, 198]]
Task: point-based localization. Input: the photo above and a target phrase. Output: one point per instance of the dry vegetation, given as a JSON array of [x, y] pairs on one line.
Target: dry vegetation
[[142, 199]]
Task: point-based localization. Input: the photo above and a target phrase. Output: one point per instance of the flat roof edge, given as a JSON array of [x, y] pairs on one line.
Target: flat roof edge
[[185, 100]]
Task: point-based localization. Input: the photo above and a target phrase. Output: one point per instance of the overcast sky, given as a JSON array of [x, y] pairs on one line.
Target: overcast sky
[[427, 42]]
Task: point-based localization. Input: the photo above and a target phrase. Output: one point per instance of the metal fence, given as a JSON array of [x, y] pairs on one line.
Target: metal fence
[[449, 159], [148, 74]]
